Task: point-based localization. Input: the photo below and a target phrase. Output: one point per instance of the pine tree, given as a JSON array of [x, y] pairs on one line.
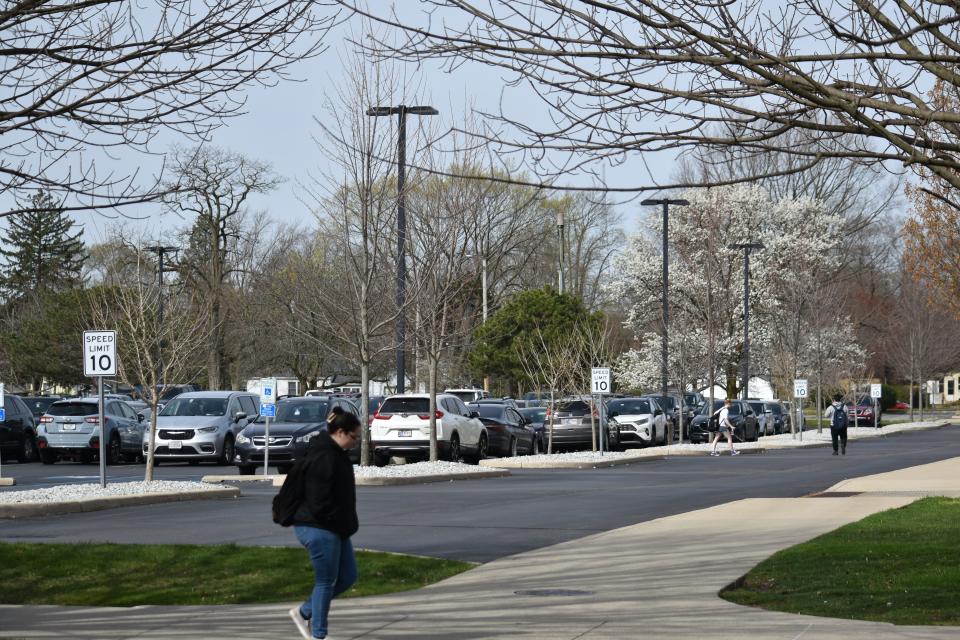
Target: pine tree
[[41, 252]]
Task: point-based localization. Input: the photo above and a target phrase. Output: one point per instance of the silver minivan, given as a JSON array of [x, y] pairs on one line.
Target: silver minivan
[[202, 426]]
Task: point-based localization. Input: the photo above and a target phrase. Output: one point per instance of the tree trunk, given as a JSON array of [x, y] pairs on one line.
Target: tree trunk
[[364, 414], [148, 472], [434, 363]]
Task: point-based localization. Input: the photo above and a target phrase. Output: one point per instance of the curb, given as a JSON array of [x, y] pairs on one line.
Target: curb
[[471, 475], [273, 477], [98, 504], [7, 482], [706, 452], [520, 463]]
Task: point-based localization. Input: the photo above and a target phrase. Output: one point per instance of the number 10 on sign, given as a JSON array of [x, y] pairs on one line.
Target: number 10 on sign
[[601, 380]]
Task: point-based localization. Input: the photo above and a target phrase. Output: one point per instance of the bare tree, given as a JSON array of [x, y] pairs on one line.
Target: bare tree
[[106, 74], [151, 350], [214, 185], [627, 76], [549, 365]]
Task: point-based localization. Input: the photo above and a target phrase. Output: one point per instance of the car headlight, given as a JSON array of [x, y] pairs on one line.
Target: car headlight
[[207, 429], [242, 439], [306, 438]]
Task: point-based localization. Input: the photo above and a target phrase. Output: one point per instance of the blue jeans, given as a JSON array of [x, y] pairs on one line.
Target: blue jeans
[[336, 571]]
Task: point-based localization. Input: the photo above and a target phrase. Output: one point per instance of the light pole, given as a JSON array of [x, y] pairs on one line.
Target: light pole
[[483, 286], [401, 111], [747, 248], [160, 249], [562, 251], [665, 202]]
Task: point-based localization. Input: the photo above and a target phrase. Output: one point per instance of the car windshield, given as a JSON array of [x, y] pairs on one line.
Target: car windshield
[[629, 407], [667, 402], [575, 408], [185, 407], [488, 410], [775, 408], [534, 415], [170, 392], [72, 409], [302, 411], [39, 405], [757, 407], [535, 395], [466, 396], [405, 405]]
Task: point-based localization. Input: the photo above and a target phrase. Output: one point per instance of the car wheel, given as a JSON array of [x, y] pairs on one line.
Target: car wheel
[[454, 455], [46, 457], [382, 460], [113, 451], [246, 469], [226, 456], [28, 452], [513, 448], [482, 449]]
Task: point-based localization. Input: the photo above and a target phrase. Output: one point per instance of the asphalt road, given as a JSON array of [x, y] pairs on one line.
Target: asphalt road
[[481, 520]]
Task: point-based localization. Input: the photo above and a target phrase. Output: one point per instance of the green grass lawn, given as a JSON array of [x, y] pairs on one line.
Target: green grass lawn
[[129, 575], [900, 566]]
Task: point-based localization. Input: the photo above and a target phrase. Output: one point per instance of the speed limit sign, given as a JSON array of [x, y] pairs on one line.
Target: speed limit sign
[[99, 353], [799, 388], [600, 380]]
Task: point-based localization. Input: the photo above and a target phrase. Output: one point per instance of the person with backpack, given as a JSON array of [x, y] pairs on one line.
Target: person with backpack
[[837, 415], [321, 505], [724, 426]]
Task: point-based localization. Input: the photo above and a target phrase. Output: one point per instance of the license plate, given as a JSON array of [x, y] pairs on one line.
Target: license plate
[[175, 444], [571, 421], [69, 427], [405, 433]]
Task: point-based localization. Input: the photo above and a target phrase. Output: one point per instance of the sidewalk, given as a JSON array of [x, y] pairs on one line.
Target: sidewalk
[[658, 579]]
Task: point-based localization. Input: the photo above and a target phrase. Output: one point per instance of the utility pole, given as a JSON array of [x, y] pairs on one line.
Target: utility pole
[[747, 247]]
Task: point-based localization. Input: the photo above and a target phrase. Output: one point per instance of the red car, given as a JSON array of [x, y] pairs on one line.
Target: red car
[[900, 406]]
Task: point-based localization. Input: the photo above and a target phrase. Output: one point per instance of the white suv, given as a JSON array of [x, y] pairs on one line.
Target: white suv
[[401, 427]]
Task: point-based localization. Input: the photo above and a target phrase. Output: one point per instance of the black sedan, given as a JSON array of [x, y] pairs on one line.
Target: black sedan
[[298, 420], [507, 431], [537, 418]]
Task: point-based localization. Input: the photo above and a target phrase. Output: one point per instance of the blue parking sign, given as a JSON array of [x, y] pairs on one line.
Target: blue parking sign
[[268, 410], [3, 414]]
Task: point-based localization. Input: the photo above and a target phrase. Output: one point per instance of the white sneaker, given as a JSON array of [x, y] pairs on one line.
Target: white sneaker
[[714, 453], [303, 626], [734, 453]]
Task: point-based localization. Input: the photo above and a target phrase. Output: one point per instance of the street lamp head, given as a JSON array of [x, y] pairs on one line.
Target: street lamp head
[[157, 248], [754, 246], [680, 202], [559, 218], [389, 111]]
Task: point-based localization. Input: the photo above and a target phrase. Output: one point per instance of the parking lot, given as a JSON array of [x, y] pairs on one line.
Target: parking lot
[[481, 520]]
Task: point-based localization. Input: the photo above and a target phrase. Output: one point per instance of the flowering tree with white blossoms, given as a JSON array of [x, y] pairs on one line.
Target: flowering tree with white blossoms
[[705, 288]]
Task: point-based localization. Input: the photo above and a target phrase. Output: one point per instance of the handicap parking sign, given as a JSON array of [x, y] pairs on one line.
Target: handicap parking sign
[[268, 410]]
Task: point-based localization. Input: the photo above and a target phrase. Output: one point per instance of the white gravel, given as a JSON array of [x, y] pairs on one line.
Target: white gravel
[[417, 469], [73, 492]]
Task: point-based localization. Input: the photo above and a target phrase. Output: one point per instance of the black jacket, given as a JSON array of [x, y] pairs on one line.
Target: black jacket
[[330, 496]]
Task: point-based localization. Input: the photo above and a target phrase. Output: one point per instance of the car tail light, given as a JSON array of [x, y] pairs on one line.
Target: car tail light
[[426, 416], [92, 420], [94, 443], [45, 419], [379, 416]]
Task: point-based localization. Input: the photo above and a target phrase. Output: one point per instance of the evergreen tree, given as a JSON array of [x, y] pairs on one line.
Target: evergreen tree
[[40, 250]]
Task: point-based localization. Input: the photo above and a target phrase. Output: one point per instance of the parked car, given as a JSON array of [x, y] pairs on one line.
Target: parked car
[[636, 421], [373, 404], [38, 404], [536, 420], [899, 405], [741, 415], [506, 429], [692, 402], [791, 413], [862, 412], [468, 395], [18, 431], [760, 411], [778, 418], [298, 420], [401, 427], [171, 391], [202, 426], [671, 405], [537, 398], [573, 426], [70, 429]]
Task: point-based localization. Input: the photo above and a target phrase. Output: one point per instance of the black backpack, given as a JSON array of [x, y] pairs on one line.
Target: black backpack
[[839, 418], [290, 496]]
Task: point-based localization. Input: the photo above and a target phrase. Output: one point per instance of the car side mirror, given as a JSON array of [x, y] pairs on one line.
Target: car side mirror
[[141, 417], [239, 415], [474, 414], [658, 412]]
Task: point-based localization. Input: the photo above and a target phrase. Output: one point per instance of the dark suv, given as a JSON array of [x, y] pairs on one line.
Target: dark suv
[[573, 426], [18, 432], [863, 413], [741, 415]]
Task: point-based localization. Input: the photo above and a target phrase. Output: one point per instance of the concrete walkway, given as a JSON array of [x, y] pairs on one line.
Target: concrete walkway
[[658, 579]]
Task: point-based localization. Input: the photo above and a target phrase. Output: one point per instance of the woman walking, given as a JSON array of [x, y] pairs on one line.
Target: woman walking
[[725, 427], [326, 519]]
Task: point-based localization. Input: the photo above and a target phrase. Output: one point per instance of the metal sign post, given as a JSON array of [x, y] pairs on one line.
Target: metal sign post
[[268, 409], [876, 392], [3, 418], [600, 385], [99, 361], [799, 393]]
